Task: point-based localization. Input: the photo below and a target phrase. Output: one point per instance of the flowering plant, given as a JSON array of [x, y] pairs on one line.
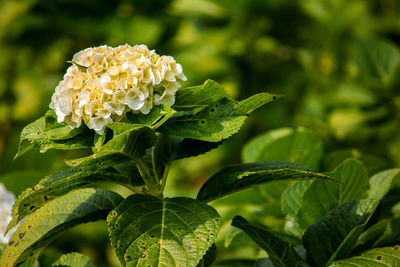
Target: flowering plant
[[127, 106]]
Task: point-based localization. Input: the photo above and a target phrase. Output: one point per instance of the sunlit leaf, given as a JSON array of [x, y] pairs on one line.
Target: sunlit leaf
[[241, 176], [145, 230], [379, 257], [44, 225], [73, 260]]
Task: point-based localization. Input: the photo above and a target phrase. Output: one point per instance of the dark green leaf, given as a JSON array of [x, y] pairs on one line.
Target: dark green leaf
[[209, 257], [45, 133], [379, 257], [242, 176], [235, 263], [145, 230], [335, 235], [200, 96], [210, 116], [281, 253], [44, 225], [131, 144], [191, 147], [62, 182], [313, 200], [73, 260], [372, 235]]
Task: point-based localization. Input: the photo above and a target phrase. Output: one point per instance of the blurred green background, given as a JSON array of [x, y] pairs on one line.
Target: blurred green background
[[336, 62]]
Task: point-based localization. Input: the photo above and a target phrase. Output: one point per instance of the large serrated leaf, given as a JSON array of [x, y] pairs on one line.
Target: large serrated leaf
[[213, 123], [305, 204], [46, 133], [73, 260], [280, 252], [242, 176], [44, 225], [200, 96], [335, 235], [62, 182], [208, 115], [147, 231], [378, 257]]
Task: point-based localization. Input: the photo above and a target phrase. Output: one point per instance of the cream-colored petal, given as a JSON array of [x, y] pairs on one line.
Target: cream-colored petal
[[83, 98], [134, 99]]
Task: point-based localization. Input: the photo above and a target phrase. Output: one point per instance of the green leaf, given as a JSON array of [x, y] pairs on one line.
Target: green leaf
[[200, 96], [59, 131], [145, 230], [319, 198], [45, 133], [192, 147], [129, 145], [377, 60], [372, 235], [213, 123], [63, 182], [157, 116], [281, 253], [300, 146], [210, 116], [372, 163], [73, 260], [378, 257], [169, 148], [335, 235], [44, 225], [163, 152], [209, 257], [236, 263], [381, 183], [291, 204], [242, 176]]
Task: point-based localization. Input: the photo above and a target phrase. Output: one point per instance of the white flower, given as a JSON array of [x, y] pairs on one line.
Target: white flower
[[105, 83], [7, 200]]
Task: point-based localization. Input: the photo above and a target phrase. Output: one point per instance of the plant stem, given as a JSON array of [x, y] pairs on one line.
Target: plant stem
[[164, 178], [148, 178]]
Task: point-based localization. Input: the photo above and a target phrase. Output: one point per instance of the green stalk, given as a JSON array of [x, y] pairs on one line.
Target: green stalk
[[148, 178]]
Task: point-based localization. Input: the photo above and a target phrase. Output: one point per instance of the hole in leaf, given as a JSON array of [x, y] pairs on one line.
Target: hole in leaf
[[379, 258], [143, 255], [11, 242]]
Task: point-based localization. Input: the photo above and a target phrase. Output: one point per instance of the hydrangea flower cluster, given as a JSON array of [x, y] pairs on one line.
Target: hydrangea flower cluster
[[105, 83], [7, 200]]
